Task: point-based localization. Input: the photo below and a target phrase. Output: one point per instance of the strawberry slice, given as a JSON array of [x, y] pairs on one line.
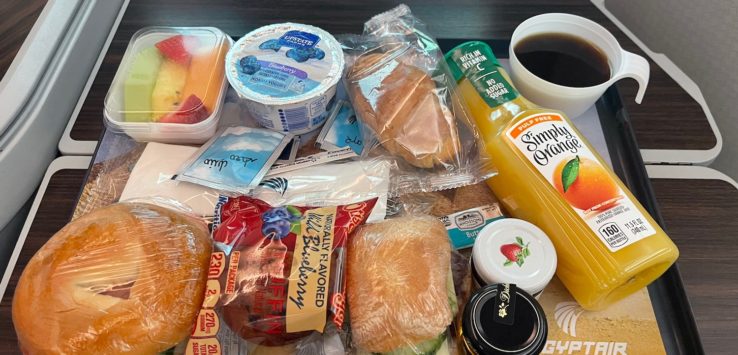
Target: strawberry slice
[[176, 48], [191, 111]]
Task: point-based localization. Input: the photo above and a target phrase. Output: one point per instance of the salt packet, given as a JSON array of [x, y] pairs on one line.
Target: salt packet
[[341, 130], [235, 160]]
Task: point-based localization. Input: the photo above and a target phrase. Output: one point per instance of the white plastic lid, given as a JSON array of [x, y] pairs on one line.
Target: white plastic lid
[[284, 63], [511, 250]]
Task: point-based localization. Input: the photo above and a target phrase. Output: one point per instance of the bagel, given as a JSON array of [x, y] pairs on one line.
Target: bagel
[[128, 278]]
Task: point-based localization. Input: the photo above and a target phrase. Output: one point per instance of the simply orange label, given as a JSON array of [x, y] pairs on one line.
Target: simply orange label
[[557, 151], [529, 122], [307, 297]]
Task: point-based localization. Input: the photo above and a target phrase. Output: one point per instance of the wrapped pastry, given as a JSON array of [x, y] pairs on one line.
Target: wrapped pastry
[[405, 99]]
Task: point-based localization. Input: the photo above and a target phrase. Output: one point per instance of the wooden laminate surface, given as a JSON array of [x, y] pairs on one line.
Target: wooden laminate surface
[[53, 213], [16, 20], [701, 217], [667, 119]]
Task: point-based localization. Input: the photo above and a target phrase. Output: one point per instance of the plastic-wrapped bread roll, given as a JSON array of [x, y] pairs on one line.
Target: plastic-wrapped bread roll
[[124, 279], [405, 98], [399, 284], [400, 103]]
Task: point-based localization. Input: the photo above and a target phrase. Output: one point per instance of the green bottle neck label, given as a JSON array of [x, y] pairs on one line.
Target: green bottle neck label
[[475, 61]]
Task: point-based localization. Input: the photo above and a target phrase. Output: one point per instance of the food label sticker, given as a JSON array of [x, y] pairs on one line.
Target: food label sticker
[[307, 297], [463, 227], [555, 149], [217, 264], [212, 293], [207, 324], [298, 39], [479, 65], [209, 346]]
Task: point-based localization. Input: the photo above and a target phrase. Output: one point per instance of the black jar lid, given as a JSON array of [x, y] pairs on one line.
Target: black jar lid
[[502, 319]]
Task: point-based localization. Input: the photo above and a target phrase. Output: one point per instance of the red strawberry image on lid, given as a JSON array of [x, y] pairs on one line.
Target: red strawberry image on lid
[[515, 252], [511, 250]]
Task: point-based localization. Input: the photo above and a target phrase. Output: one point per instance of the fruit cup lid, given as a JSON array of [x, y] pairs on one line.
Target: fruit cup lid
[[514, 251], [169, 75]]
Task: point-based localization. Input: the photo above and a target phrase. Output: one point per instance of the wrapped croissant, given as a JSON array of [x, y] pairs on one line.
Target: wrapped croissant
[[405, 98], [403, 108]]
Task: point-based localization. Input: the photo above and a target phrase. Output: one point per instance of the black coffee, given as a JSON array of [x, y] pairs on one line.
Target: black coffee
[[563, 59]]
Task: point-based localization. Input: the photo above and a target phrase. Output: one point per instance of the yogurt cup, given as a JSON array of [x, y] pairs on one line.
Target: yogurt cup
[[287, 74], [513, 251]]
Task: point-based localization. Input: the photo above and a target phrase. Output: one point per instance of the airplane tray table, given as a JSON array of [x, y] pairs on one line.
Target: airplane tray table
[[607, 127]]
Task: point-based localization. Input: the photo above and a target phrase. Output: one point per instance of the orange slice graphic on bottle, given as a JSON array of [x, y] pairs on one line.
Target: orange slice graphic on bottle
[[586, 185]]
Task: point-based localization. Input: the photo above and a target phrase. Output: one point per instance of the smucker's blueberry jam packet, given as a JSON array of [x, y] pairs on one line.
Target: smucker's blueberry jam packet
[[341, 130], [235, 160]]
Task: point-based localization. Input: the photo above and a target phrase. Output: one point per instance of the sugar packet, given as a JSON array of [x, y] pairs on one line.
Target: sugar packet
[[235, 160], [341, 130]]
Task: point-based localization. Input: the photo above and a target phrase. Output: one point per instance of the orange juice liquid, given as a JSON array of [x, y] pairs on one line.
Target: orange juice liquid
[[608, 246]]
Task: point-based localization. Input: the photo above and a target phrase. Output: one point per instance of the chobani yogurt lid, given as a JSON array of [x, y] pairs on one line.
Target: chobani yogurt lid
[[512, 250], [284, 63]]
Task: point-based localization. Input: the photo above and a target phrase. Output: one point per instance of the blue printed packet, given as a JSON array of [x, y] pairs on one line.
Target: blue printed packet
[[464, 226], [234, 160], [341, 130]]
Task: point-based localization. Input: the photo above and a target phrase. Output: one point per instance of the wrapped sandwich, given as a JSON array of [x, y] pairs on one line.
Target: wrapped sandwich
[[399, 286]]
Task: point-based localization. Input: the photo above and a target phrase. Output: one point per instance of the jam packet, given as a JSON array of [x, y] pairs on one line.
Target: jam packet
[[235, 160], [341, 130]]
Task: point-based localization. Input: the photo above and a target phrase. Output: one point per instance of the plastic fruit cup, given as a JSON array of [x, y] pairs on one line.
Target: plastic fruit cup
[[129, 104]]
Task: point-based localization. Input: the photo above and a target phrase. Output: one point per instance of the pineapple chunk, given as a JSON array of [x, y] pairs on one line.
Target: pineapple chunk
[[167, 95]]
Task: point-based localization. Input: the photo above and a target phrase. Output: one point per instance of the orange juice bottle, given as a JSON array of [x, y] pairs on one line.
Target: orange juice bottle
[[608, 246]]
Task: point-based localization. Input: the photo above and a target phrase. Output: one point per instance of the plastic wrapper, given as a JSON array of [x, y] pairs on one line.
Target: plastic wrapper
[[320, 185], [126, 278], [464, 211], [400, 289], [330, 184], [405, 97], [279, 275]]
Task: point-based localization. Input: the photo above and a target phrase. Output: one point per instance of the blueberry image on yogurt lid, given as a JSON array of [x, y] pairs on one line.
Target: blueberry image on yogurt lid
[[272, 44], [249, 65]]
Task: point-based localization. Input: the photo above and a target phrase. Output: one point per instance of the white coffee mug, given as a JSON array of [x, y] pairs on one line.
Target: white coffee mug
[[574, 100]]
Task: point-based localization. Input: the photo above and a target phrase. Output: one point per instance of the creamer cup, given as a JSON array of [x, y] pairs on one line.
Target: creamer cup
[[287, 74]]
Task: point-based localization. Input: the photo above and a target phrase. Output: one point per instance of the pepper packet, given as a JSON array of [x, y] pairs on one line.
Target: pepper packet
[[341, 130], [235, 160]]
